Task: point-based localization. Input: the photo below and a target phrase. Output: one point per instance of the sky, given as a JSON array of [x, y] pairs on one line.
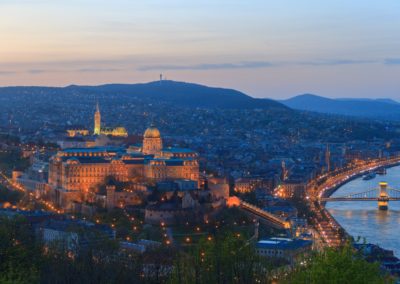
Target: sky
[[275, 49]]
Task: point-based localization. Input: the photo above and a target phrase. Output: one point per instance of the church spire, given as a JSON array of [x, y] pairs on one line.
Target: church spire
[[97, 120]]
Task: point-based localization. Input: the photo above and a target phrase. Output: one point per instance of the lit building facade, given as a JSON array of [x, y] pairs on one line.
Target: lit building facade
[[73, 132], [78, 172], [98, 129]]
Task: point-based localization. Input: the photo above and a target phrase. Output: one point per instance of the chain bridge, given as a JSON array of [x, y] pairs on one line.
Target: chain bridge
[[382, 194]]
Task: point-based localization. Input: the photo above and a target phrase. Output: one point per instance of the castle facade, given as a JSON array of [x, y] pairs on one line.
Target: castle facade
[[76, 173]]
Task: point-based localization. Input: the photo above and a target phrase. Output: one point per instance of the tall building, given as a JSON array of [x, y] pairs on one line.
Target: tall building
[[97, 121]]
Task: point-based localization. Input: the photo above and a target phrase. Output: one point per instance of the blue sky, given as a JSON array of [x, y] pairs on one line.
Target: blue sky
[[265, 48]]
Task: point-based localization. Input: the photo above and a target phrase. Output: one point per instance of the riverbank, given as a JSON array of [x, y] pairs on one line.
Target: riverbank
[[376, 230], [328, 192], [327, 226]]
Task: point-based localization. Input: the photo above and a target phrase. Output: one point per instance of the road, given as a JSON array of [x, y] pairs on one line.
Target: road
[[12, 185]]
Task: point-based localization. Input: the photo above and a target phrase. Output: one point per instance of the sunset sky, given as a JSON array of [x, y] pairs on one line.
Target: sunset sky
[[273, 49]]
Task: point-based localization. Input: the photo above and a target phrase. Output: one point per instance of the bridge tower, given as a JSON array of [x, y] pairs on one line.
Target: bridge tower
[[383, 198]]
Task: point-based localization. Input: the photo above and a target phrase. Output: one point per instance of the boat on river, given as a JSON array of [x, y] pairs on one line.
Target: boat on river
[[369, 176]]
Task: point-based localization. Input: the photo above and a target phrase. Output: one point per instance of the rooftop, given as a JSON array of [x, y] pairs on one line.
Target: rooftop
[[75, 225], [94, 149], [177, 150], [283, 243]]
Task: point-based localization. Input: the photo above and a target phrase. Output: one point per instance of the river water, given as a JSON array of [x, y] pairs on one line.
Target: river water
[[363, 219]]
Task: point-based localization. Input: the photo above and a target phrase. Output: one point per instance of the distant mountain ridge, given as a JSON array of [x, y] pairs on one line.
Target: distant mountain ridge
[[192, 95], [178, 93], [368, 108]]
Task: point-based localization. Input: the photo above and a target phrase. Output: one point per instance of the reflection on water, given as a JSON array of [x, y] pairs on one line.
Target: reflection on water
[[363, 219]]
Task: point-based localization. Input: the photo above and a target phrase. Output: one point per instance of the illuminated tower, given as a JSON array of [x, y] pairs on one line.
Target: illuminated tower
[[383, 198], [97, 121]]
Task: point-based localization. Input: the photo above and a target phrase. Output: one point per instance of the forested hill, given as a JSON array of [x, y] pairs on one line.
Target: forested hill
[[178, 93]]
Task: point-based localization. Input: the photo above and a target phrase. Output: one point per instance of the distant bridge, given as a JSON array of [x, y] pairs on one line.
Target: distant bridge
[[383, 194]]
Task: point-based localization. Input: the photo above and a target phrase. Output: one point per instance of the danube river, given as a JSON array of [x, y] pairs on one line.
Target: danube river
[[363, 219]]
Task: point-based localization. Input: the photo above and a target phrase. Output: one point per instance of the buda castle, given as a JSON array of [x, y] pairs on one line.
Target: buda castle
[[76, 174]]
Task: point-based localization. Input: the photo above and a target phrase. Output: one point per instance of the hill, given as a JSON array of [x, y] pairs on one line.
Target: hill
[[368, 108], [172, 92]]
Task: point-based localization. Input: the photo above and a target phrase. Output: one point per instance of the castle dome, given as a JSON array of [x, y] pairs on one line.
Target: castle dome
[[152, 132]]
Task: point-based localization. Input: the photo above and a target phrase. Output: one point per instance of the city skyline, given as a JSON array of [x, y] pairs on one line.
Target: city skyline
[[199, 142], [333, 49]]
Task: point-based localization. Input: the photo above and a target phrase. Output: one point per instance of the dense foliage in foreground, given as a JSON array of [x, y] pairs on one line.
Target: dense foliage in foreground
[[227, 258], [338, 266]]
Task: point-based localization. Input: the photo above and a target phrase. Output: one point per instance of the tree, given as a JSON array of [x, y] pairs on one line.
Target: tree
[[338, 266], [224, 259], [19, 255]]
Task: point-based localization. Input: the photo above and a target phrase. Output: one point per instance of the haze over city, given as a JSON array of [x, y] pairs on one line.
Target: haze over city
[[263, 48]]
